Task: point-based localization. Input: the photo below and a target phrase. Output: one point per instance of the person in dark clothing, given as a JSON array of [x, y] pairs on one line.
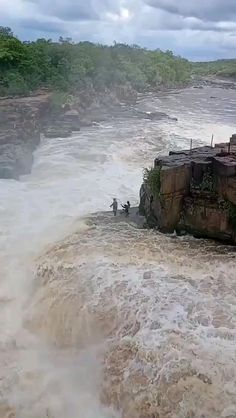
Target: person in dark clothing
[[128, 204], [126, 209]]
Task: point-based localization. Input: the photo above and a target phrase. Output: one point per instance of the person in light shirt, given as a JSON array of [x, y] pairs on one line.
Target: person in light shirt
[[114, 206]]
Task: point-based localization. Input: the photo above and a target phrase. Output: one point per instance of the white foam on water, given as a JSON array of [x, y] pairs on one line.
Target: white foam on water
[[45, 369]]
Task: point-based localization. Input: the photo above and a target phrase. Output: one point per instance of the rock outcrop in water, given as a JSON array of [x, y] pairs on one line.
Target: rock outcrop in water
[[23, 119], [194, 192], [20, 126]]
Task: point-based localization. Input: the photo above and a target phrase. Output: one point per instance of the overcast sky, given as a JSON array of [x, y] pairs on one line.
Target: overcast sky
[[196, 29]]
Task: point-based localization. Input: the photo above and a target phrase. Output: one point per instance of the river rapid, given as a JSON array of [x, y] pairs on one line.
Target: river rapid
[[102, 319]]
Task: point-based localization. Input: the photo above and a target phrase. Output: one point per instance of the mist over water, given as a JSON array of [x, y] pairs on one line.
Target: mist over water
[[112, 319]]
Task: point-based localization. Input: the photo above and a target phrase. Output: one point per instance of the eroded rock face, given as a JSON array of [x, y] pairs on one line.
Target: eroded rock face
[[204, 218], [20, 126], [197, 193]]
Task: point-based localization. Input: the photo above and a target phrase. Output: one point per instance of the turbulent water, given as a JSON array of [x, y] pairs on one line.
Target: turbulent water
[[102, 319]]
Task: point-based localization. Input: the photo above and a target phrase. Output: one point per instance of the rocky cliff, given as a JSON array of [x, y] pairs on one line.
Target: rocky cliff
[[22, 120], [194, 192], [20, 127]]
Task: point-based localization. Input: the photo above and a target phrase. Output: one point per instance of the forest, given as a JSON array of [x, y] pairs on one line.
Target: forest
[[68, 66], [220, 68]]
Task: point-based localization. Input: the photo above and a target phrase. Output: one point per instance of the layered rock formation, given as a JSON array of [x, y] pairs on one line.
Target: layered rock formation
[[22, 120], [193, 191], [20, 126]]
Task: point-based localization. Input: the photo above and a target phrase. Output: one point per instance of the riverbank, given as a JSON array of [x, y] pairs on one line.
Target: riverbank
[[24, 120]]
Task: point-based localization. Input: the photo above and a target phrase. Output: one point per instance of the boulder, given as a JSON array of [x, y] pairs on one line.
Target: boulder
[[20, 125], [233, 139], [155, 116], [225, 166], [203, 218], [230, 190], [175, 179], [57, 133], [227, 189], [197, 193], [199, 168]]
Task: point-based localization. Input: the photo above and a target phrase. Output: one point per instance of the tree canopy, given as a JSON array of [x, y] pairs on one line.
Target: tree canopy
[[69, 66], [219, 68]]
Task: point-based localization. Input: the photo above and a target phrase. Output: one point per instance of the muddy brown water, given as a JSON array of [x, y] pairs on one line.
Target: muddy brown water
[[101, 318]]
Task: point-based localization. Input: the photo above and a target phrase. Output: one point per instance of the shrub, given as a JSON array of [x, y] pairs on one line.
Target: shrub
[[152, 177], [58, 100], [208, 183]]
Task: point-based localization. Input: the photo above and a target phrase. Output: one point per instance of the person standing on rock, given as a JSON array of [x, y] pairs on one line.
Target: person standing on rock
[[126, 208], [114, 206]]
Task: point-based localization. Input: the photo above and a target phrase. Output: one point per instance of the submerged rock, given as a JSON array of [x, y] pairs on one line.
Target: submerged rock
[[57, 133]]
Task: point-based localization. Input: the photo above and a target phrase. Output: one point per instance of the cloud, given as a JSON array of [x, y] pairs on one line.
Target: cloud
[[161, 19], [211, 10], [76, 10], [66, 10], [47, 26], [193, 28]]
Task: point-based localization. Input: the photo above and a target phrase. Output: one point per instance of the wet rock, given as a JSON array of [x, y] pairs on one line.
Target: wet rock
[[155, 325], [57, 133], [233, 139], [20, 126], [225, 166], [62, 125], [153, 115], [147, 275], [70, 120], [193, 185], [86, 122], [224, 83], [23, 119]]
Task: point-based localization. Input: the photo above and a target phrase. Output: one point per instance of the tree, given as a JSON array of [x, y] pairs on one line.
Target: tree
[[5, 32], [67, 66], [12, 52]]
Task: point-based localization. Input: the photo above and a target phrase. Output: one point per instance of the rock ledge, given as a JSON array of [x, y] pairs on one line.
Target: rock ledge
[[196, 192]]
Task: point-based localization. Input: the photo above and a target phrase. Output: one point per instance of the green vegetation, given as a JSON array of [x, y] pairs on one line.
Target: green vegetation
[[208, 183], [231, 208], [69, 67], [220, 68], [58, 100], [152, 177]]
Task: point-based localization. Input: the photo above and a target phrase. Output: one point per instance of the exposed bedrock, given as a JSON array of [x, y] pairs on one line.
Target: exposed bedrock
[[193, 191], [20, 126]]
